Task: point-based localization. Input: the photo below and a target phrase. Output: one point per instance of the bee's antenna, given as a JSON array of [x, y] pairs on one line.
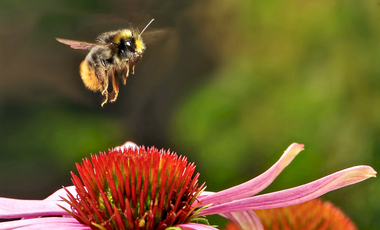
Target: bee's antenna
[[146, 26]]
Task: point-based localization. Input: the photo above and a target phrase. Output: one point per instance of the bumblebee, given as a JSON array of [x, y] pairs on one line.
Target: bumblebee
[[112, 53]]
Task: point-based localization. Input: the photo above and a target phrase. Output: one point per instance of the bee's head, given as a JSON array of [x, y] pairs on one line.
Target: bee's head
[[128, 44]]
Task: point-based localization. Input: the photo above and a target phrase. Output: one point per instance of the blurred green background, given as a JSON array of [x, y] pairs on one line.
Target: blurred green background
[[231, 84]]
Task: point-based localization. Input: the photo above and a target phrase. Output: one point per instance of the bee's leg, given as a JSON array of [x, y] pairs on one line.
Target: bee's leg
[[133, 68], [105, 94], [126, 74], [134, 63], [106, 99], [115, 85], [103, 75]]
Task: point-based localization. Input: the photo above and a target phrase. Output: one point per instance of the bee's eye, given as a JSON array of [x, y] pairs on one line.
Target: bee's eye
[[130, 45]]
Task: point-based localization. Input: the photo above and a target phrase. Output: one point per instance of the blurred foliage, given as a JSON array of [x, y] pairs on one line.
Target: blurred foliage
[[38, 141], [230, 85]]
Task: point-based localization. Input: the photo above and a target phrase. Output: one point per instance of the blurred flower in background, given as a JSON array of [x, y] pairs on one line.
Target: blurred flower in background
[[312, 215]]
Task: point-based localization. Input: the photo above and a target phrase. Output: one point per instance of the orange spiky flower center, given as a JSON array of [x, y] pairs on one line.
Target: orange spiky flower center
[[134, 188], [312, 215]]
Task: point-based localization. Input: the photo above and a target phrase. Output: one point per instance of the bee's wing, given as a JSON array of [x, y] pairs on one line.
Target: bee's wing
[[156, 35], [77, 44]]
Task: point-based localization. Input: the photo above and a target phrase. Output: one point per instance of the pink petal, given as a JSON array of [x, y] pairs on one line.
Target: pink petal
[[258, 183], [14, 208], [61, 193], [194, 226], [53, 223], [126, 145], [295, 195], [245, 220], [204, 194]]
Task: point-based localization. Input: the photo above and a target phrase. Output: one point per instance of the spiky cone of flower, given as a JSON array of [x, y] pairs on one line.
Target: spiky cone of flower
[[312, 215], [137, 188]]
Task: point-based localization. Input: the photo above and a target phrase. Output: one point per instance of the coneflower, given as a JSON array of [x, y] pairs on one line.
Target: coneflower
[[145, 188]]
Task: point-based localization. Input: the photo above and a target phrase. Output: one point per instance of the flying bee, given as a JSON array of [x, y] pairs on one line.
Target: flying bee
[[112, 53]]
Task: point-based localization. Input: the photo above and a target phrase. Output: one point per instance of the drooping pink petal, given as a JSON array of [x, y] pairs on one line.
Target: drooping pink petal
[[51, 223], [204, 194], [14, 208], [258, 183], [295, 195], [245, 220], [195, 226]]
